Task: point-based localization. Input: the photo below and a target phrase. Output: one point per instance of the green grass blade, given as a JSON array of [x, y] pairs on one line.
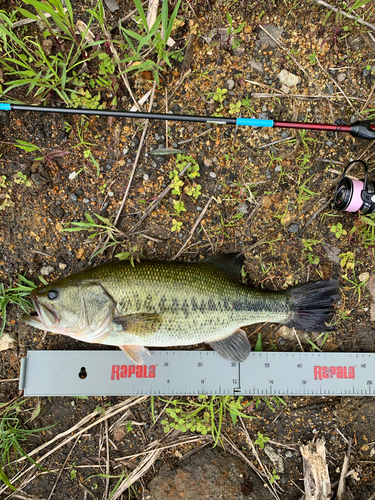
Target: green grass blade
[[5, 479], [141, 12]]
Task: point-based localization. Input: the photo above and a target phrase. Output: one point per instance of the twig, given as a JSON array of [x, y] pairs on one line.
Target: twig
[[274, 142], [196, 137], [157, 201], [86, 490], [254, 211], [334, 81], [369, 98], [295, 333], [28, 20], [250, 442], [109, 413], [105, 496], [203, 213], [63, 467], [182, 78], [259, 95], [314, 216], [9, 380], [341, 490], [136, 158], [356, 18], [257, 472]]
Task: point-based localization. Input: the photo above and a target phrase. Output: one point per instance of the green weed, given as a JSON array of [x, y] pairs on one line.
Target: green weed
[[15, 294], [338, 230], [22, 179], [261, 440], [205, 415]]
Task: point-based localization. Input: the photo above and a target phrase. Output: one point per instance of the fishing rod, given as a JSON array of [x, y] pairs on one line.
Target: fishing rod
[[362, 129]]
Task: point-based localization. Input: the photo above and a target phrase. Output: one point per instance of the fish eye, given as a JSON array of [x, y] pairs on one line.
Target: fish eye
[[52, 295]]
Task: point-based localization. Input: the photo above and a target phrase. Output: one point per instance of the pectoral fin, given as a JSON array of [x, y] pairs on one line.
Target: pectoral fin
[[135, 352], [141, 324], [236, 347]]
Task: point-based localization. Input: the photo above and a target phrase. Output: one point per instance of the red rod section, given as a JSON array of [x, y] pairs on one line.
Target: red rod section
[[314, 126]]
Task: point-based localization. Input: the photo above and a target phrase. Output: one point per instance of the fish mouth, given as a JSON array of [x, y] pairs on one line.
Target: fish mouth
[[35, 318]]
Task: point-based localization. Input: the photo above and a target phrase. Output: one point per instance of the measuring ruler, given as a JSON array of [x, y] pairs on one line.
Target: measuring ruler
[[110, 373]]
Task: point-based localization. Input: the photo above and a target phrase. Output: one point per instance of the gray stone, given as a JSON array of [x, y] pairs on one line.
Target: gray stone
[[111, 194], [230, 84], [46, 270], [268, 174], [366, 71], [278, 168], [285, 134], [329, 143], [258, 66], [242, 207], [208, 474], [38, 179], [4, 119], [329, 89], [125, 151], [135, 142], [86, 200], [274, 31], [288, 79], [288, 454], [293, 228], [264, 108], [146, 177], [199, 209], [112, 5], [213, 175], [263, 116], [341, 77], [159, 138], [73, 197]]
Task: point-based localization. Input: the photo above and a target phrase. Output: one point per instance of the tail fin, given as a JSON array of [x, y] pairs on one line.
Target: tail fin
[[312, 305]]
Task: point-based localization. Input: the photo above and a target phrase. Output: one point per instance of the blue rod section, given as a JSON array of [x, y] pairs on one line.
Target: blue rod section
[[254, 122], [5, 106]]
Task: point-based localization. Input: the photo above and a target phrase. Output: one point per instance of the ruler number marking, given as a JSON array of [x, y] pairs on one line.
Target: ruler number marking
[[266, 365], [369, 382]]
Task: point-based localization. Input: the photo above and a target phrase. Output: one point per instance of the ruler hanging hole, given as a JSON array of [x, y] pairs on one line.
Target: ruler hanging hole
[[83, 373]]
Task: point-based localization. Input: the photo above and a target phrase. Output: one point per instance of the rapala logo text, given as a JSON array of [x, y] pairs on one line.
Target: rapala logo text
[[126, 371], [321, 372]]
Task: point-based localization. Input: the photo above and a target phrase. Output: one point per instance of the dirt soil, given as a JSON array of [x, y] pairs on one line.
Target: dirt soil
[[261, 188]]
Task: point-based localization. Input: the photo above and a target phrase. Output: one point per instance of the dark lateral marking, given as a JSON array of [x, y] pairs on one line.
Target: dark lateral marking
[[185, 308], [147, 302], [162, 304], [202, 307], [175, 304], [211, 305], [194, 305], [138, 302]]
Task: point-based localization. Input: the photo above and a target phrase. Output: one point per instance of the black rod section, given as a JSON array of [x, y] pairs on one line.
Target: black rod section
[[127, 114]]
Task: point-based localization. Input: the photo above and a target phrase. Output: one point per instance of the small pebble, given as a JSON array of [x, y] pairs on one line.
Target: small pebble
[[146, 177], [242, 207], [293, 228], [278, 168], [365, 309], [207, 162], [125, 151], [86, 200], [62, 265], [213, 175], [264, 109], [46, 270], [230, 84], [268, 174], [73, 197], [199, 209], [110, 193], [263, 116], [284, 135], [341, 77], [366, 71], [135, 142], [329, 143], [288, 454]]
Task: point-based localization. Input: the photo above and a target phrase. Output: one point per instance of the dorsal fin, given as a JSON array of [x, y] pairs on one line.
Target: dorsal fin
[[231, 263]]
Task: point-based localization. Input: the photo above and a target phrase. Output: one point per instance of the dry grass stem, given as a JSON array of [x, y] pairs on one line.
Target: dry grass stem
[[356, 18], [341, 490], [152, 207], [196, 224], [63, 467]]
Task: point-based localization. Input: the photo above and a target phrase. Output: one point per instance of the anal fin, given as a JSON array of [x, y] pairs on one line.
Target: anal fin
[[236, 347], [135, 352]]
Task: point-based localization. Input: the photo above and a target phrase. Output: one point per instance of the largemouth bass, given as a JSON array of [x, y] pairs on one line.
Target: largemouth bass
[[173, 304]]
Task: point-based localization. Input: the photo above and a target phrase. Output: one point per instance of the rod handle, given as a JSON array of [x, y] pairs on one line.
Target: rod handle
[[4, 106], [363, 129]]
